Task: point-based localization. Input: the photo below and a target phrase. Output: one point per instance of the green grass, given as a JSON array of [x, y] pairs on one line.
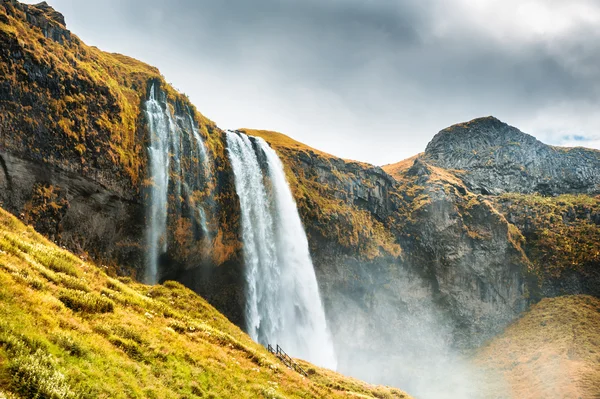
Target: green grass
[[67, 330]]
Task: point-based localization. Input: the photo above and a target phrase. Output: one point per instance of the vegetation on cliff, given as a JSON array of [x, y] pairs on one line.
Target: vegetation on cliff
[[69, 330], [72, 105], [561, 233]]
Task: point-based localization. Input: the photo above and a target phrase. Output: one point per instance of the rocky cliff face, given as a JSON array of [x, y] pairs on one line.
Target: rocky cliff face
[[73, 145], [498, 158]]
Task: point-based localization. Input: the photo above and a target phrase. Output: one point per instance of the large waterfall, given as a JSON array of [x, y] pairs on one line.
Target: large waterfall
[[283, 304], [174, 137]]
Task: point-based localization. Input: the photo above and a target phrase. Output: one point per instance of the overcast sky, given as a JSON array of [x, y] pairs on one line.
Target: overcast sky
[[371, 80]]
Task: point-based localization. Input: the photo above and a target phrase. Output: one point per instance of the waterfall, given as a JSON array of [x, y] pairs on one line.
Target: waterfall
[[158, 159], [172, 139], [283, 304]]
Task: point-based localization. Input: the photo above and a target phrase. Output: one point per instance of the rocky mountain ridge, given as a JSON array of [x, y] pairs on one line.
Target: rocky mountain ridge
[[497, 158]]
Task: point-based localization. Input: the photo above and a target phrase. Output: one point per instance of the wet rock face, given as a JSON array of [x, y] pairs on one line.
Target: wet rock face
[[498, 158]]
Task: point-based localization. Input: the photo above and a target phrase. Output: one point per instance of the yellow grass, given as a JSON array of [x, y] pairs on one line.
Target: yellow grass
[[68, 330], [552, 351]]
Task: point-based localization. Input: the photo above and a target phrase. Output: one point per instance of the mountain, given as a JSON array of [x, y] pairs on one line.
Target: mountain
[[498, 158], [418, 263], [68, 330]]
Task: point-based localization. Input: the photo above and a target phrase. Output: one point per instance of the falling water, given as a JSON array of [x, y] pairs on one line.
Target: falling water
[[283, 305], [158, 155], [169, 138]]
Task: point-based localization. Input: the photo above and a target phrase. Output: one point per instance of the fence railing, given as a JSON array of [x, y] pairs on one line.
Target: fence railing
[[286, 359]]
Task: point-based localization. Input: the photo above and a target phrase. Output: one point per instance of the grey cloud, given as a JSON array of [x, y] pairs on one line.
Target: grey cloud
[[348, 75]]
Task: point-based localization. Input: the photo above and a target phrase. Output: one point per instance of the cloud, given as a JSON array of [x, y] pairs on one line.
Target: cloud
[[371, 80]]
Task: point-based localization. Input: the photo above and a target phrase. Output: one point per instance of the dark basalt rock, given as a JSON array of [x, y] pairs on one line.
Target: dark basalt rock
[[73, 210], [41, 15], [499, 158]]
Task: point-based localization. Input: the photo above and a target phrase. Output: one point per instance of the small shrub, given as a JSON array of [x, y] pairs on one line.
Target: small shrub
[[114, 285], [173, 285], [71, 346], [18, 344], [73, 283], [32, 369], [87, 302], [103, 330], [61, 262], [178, 326], [128, 333], [130, 347], [34, 283], [7, 395], [124, 280], [35, 376]]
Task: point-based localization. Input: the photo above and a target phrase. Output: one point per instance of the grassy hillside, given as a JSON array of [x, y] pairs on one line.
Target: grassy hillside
[[396, 169], [552, 351], [68, 330]]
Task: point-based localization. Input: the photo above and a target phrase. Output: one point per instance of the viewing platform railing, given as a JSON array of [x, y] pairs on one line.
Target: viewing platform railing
[[286, 359]]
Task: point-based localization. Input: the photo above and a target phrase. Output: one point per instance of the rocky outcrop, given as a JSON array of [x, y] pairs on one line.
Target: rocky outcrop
[[498, 158], [51, 22], [74, 211]]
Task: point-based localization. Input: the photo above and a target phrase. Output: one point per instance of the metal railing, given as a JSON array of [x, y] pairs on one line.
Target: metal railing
[[286, 359]]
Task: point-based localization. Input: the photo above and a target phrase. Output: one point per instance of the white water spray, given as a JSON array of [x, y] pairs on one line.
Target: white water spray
[[283, 304]]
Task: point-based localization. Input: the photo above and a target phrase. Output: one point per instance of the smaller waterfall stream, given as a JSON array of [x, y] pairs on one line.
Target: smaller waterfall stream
[[283, 304], [179, 171]]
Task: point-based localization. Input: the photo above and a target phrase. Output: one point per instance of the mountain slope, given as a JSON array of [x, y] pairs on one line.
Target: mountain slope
[[68, 330], [552, 351]]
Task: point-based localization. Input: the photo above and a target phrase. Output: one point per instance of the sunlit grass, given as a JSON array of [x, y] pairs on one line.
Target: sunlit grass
[[552, 351], [67, 330]]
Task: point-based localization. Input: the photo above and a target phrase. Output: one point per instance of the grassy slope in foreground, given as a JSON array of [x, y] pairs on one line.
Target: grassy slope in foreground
[[68, 330], [552, 351]]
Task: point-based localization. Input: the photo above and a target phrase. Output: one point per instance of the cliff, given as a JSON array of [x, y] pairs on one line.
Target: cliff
[[74, 137], [498, 158]]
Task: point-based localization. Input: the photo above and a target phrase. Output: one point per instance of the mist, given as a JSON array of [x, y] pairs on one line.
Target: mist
[[396, 335]]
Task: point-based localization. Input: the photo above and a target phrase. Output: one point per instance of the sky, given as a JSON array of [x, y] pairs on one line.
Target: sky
[[370, 80]]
